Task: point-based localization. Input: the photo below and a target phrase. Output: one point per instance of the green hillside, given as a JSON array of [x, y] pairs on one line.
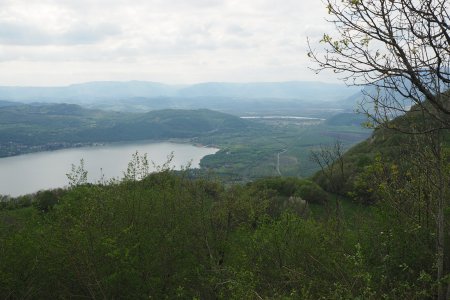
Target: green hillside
[[249, 148], [37, 127], [171, 235], [346, 119], [396, 143]]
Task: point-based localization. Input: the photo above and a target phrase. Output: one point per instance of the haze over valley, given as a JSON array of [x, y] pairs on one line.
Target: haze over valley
[[306, 98]]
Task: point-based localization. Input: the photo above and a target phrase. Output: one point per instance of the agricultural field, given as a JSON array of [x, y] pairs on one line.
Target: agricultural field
[[275, 148]]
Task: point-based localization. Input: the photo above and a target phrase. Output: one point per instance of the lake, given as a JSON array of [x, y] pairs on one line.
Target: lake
[[43, 170]]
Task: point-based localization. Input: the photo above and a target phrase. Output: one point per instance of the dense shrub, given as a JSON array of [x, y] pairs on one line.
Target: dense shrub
[[45, 200], [170, 237], [291, 186], [312, 192]]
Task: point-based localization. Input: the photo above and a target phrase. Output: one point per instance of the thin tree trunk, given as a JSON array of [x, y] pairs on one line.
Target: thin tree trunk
[[440, 249], [448, 292], [440, 218]]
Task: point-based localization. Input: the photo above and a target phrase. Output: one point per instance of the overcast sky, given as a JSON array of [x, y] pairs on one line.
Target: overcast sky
[[58, 42]]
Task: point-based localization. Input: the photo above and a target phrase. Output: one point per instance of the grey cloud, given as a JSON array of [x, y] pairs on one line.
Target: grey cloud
[[89, 34], [16, 34], [52, 54], [152, 4], [238, 30], [173, 37], [25, 34], [191, 3]]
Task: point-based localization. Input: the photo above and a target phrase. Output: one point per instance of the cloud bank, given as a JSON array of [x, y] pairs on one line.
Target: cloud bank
[[53, 42]]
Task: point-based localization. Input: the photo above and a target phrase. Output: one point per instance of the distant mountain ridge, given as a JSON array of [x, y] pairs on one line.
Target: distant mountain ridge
[[91, 91]]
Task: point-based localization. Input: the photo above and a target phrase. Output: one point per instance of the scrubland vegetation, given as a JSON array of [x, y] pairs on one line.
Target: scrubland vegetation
[[372, 223], [168, 235]]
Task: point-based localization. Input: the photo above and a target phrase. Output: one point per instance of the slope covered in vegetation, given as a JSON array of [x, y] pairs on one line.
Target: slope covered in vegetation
[[405, 141], [169, 236], [37, 127]]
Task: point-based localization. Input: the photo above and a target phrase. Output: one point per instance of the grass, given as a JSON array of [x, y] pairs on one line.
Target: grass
[[253, 153], [352, 214]]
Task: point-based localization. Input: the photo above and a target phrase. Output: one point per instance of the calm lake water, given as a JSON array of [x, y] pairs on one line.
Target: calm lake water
[[32, 172]]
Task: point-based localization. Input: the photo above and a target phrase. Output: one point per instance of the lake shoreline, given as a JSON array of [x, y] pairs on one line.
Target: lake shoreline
[[64, 145], [29, 173]]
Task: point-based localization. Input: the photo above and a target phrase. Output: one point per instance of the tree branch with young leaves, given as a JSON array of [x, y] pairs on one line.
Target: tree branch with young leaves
[[400, 47]]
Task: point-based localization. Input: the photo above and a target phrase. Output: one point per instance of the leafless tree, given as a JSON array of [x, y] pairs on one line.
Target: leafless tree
[[330, 159], [400, 47]]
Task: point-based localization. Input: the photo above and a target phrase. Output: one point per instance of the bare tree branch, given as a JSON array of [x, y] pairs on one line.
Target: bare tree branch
[[400, 47]]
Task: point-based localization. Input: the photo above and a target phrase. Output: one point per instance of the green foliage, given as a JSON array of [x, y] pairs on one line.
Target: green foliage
[[249, 148], [253, 153], [39, 127], [291, 186], [45, 201], [312, 192], [7, 202], [78, 174], [167, 236], [396, 148]]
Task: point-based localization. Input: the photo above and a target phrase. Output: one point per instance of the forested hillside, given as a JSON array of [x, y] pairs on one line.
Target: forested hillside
[[38, 127], [169, 236], [249, 147], [285, 189], [404, 143]]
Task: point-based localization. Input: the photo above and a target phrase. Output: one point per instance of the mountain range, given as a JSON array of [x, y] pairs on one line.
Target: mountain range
[[310, 99], [91, 91]]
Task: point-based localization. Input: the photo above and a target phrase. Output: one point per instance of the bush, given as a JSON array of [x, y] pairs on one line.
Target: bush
[[312, 192], [290, 186], [45, 200]]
